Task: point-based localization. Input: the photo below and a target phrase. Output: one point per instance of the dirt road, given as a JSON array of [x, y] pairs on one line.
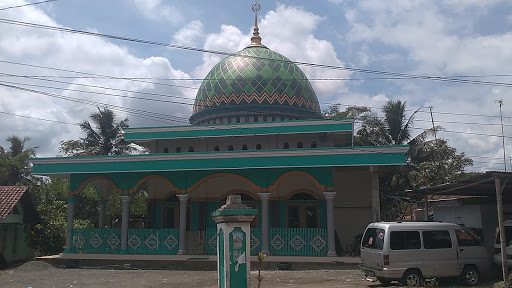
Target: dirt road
[[40, 274]]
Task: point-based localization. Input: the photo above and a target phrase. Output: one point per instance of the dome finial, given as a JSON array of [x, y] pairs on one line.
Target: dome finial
[[256, 39]]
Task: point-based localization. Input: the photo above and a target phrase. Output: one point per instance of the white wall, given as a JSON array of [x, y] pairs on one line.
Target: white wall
[[468, 215]]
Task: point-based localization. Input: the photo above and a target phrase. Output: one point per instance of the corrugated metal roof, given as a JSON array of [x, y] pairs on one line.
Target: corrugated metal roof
[[9, 196]]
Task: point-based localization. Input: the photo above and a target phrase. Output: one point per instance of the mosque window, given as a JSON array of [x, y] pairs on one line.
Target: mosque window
[[246, 119], [313, 145], [166, 150], [214, 121], [255, 118], [286, 146], [178, 149], [221, 120], [237, 119], [300, 145], [282, 118], [244, 147], [265, 119], [258, 147], [273, 118], [216, 148], [229, 120], [191, 149], [230, 148]]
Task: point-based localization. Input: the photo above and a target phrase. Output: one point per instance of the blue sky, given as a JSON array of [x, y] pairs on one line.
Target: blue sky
[[446, 38]]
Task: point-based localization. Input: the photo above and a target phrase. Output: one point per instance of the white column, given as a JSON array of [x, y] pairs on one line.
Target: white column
[[264, 222], [102, 207], [124, 224], [69, 227], [183, 222], [374, 175], [331, 245]]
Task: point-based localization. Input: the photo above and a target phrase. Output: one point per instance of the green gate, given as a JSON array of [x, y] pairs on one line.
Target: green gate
[[298, 241]]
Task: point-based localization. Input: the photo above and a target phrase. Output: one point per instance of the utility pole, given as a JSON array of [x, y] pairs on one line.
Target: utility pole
[[437, 145], [500, 102]]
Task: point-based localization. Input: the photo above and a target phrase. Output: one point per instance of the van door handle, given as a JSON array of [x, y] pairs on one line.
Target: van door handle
[[461, 250]]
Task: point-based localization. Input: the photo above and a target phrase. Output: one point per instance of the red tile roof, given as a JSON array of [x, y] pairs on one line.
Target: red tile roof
[[9, 196]]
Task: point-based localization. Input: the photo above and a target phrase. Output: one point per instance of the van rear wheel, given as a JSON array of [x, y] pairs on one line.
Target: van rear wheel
[[412, 278], [470, 275]]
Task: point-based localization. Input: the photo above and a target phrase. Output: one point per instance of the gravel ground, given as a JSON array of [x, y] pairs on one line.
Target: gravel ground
[[37, 274]]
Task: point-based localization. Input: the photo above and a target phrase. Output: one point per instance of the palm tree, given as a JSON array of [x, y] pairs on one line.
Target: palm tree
[[393, 129], [14, 167], [103, 137]]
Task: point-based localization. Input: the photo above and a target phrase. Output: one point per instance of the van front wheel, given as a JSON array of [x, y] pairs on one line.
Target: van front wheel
[[412, 278], [470, 275]]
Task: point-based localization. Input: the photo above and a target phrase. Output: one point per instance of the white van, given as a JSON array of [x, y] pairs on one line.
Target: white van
[[409, 252], [497, 245]]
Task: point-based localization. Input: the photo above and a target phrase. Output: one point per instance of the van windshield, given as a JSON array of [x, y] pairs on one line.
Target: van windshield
[[508, 235], [373, 238]]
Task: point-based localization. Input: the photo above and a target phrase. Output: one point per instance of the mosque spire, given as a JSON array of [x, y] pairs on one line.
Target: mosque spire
[[256, 39]]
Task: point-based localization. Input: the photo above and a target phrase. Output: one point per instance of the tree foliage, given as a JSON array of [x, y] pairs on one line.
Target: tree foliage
[[102, 137], [14, 166]]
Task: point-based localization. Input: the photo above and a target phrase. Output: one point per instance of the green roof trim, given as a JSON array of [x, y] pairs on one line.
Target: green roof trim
[[357, 156], [226, 130]]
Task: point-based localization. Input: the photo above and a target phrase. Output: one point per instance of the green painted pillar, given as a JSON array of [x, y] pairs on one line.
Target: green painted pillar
[[233, 243]]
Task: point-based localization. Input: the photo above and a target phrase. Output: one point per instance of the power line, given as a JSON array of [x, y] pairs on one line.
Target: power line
[[29, 4], [307, 64], [35, 118]]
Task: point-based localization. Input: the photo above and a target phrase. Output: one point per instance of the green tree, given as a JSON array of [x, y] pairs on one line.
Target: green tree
[[334, 111], [102, 137], [14, 166]]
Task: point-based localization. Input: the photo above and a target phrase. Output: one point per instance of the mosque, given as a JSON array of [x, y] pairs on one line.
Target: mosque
[[257, 131]]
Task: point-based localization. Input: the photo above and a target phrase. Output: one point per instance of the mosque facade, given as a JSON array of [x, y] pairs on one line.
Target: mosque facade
[[257, 131]]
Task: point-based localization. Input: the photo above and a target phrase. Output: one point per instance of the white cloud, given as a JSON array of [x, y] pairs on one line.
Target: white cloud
[[159, 10], [85, 54], [189, 34]]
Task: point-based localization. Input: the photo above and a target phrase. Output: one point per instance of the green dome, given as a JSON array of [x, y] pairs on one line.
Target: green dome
[[255, 81]]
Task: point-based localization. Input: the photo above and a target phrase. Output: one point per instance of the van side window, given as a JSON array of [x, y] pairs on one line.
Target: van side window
[[373, 238], [405, 240], [437, 239], [466, 238]]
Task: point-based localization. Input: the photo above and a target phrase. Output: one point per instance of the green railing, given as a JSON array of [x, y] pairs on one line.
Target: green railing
[[102, 241], [140, 241], [282, 241], [153, 241], [212, 237], [298, 241]]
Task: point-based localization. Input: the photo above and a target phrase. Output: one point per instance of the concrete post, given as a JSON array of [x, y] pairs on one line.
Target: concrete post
[[374, 175], [69, 227], [331, 245], [124, 224], [183, 223], [233, 243], [501, 225], [102, 207], [264, 222]]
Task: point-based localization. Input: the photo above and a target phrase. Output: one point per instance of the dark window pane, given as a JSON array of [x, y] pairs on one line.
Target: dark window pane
[[293, 217], [286, 146], [216, 148], [405, 240], [370, 238], [178, 149], [244, 147], [300, 145], [437, 239], [313, 145], [258, 147], [311, 217], [230, 148], [166, 150], [466, 238]]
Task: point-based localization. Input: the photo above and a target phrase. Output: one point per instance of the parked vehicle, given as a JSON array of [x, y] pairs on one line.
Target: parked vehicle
[[497, 245], [410, 252]]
